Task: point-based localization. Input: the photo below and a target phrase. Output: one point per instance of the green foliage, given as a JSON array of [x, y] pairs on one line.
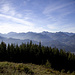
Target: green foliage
[[68, 72], [48, 64], [62, 71]]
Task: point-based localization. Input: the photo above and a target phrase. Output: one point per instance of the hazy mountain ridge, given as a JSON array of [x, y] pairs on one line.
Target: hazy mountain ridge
[[61, 40]]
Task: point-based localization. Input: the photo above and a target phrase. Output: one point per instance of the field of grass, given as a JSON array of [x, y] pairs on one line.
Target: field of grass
[[10, 68]]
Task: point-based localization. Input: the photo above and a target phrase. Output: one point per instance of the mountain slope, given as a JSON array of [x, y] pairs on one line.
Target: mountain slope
[[61, 40], [15, 41]]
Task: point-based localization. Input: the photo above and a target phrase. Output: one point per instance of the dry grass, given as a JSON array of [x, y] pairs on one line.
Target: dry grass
[[9, 68]]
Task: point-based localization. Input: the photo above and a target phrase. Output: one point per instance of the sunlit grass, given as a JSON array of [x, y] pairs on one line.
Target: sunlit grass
[[10, 68]]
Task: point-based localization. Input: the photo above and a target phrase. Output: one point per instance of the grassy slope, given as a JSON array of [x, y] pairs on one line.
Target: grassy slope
[[9, 68]]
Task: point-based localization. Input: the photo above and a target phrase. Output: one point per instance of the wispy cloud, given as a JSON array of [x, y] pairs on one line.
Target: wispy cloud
[[6, 8], [68, 28], [12, 20], [17, 20], [57, 15], [52, 26], [35, 15], [61, 27], [56, 7], [8, 27], [59, 10], [8, 11]]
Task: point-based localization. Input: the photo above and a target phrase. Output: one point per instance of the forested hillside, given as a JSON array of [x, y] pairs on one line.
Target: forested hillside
[[37, 54]]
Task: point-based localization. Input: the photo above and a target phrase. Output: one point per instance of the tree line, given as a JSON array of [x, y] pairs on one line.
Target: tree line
[[38, 54]]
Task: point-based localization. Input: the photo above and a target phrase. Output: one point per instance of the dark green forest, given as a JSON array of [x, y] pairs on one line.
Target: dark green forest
[[38, 54]]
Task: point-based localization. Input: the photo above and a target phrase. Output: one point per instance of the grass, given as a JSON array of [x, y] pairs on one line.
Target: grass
[[10, 68]]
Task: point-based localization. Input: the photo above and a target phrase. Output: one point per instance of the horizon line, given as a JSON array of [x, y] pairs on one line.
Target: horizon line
[[36, 32]]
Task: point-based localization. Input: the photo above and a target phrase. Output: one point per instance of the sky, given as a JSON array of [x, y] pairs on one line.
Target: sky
[[37, 16]]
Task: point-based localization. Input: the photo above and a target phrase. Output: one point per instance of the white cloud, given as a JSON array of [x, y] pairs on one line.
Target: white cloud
[[19, 15], [6, 8], [52, 19], [62, 27], [12, 12], [68, 28], [57, 15], [18, 23], [56, 7], [58, 11], [52, 26], [8, 27], [17, 20], [38, 29]]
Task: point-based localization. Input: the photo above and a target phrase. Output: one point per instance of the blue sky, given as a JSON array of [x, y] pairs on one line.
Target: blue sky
[[37, 15]]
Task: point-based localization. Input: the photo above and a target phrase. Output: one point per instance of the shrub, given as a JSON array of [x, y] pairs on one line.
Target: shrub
[[48, 64], [68, 72], [62, 71], [73, 73], [28, 71]]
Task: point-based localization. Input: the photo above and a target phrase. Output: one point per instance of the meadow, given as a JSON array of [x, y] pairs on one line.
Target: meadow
[[10, 68]]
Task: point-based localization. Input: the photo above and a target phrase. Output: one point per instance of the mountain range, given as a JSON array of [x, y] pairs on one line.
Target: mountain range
[[60, 40]]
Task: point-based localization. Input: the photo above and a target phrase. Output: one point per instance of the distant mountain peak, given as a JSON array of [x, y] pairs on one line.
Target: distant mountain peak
[[12, 33], [45, 32], [61, 40]]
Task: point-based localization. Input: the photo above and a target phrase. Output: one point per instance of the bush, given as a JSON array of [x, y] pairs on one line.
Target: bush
[[62, 71], [28, 71], [68, 72], [48, 64], [73, 73]]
